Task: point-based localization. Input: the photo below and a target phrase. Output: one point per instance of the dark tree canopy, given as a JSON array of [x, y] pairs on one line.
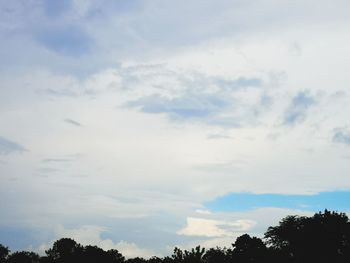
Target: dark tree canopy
[[4, 252], [218, 255], [114, 256], [65, 250], [195, 255], [249, 249], [324, 237], [23, 257]]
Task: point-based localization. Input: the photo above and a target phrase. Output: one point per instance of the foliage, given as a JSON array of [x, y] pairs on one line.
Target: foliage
[[23, 257], [324, 237], [249, 249], [4, 252]]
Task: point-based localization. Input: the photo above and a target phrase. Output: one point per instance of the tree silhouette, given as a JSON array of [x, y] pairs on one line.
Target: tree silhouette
[[216, 255], [4, 252], [195, 255], [166, 260], [23, 257], [325, 237], [136, 260], [249, 249], [178, 255], [284, 239], [114, 256], [45, 259], [91, 254], [65, 250], [155, 260]]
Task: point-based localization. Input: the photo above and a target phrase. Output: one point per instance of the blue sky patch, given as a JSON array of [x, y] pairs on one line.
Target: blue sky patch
[[247, 201], [18, 238], [69, 41], [56, 8]]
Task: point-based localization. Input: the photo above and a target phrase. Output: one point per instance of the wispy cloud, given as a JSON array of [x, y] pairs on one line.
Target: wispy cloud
[[341, 135], [48, 170], [73, 122], [63, 159], [218, 136], [188, 106], [297, 111], [213, 100], [7, 146], [56, 160], [240, 83]]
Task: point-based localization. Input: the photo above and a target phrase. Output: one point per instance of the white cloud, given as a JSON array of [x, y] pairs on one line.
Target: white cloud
[[214, 228], [222, 228], [203, 212]]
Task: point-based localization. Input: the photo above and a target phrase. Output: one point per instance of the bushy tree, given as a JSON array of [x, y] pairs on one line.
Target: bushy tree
[[91, 254], [324, 237], [249, 249], [65, 250], [114, 256]]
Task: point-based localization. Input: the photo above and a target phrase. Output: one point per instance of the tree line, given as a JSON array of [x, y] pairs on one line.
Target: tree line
[[323, 237]]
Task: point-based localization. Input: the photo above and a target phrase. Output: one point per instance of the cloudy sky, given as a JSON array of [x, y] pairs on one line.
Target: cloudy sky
[[147, 124]]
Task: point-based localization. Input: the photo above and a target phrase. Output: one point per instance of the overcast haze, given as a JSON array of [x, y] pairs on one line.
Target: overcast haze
[[147, 124]]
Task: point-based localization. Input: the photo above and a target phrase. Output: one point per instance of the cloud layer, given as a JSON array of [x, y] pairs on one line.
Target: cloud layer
[[122, 120]]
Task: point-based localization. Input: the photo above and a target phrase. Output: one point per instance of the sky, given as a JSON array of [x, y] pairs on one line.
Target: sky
[[142, 125]]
